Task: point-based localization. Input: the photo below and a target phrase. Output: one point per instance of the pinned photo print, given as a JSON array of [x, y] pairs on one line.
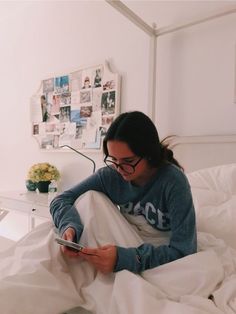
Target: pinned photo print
[[107, 120], [48, 85], [108, 103], [65, 99], [43, 102], [75, 98], [47, 142], [86, 79], [103, 130], [64, 114], [87, 83], [109, 85], [97, 80], [35, 129], [55, 104], [75, 80], [85, 96], [86, 111], [62, 84], [79, 131], [96, 99], [75, 116], [50, 128], [56, 139]]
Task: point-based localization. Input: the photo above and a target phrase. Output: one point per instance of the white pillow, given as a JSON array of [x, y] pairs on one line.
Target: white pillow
[[220, 178], [214, 196]]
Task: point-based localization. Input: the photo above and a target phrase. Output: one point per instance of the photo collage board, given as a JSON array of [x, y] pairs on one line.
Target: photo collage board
[[75, 109]]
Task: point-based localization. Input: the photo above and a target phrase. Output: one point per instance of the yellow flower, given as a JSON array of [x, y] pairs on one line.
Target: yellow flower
[[43, 172]]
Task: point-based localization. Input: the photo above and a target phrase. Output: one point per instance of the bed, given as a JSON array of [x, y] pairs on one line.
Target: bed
[[202, 283]]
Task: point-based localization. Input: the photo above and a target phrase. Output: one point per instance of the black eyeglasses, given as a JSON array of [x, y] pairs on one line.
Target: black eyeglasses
[[126, 167]]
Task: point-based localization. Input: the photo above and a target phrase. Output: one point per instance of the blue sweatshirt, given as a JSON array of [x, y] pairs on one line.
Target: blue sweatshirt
[[165, 202]]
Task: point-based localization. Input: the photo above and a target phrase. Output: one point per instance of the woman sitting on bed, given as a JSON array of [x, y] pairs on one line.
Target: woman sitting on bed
[[143, 179]]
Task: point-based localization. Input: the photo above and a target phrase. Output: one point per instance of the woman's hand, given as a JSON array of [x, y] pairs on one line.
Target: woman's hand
[[102, 258], [69, 235]]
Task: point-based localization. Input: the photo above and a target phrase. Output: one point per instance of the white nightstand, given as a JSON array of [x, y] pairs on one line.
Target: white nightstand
[[21, 212]]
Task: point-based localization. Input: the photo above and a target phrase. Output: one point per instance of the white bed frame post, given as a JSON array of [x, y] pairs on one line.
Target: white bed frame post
[[154, 33], [152, 76], [151, 32]]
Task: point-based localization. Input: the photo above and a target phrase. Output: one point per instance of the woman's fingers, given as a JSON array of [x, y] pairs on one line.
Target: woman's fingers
[[69, 234], [103, 258]]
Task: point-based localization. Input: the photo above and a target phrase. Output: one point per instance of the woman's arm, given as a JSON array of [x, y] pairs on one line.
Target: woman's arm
[[62, 208], [183, 240], [110, 258]]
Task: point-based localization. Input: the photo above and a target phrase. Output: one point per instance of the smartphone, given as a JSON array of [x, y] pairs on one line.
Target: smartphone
[[69, 244]]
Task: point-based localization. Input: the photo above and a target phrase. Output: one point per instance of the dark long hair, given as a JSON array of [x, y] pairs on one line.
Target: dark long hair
[[139, 132]]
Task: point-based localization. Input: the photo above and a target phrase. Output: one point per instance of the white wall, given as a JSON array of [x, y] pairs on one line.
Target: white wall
[[195, 71], [196, 79], [39, 39]]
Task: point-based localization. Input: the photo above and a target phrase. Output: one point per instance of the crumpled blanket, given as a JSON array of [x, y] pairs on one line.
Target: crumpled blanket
[[35, 278]]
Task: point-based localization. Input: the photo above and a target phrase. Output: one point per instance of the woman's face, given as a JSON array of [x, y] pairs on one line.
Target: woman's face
[[120, 153]]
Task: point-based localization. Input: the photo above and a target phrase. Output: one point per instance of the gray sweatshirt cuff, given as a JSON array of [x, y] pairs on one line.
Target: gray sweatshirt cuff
[[78, 231], [127, 258]]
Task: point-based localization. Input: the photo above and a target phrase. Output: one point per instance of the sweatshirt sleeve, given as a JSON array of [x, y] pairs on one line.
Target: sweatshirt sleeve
[[62, 209], [182, 242]]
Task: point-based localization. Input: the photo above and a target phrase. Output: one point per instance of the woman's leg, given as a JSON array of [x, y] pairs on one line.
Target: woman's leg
[[103, 222], [36, 278]]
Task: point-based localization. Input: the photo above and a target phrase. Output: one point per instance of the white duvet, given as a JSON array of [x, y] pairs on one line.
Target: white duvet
[[36, 279]]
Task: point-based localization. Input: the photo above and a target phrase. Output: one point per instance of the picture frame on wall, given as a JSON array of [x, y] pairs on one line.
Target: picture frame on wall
[[75, 109]]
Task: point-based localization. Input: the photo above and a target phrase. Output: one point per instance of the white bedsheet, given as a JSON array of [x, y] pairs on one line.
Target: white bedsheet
[[36, 279], [214, 194]]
